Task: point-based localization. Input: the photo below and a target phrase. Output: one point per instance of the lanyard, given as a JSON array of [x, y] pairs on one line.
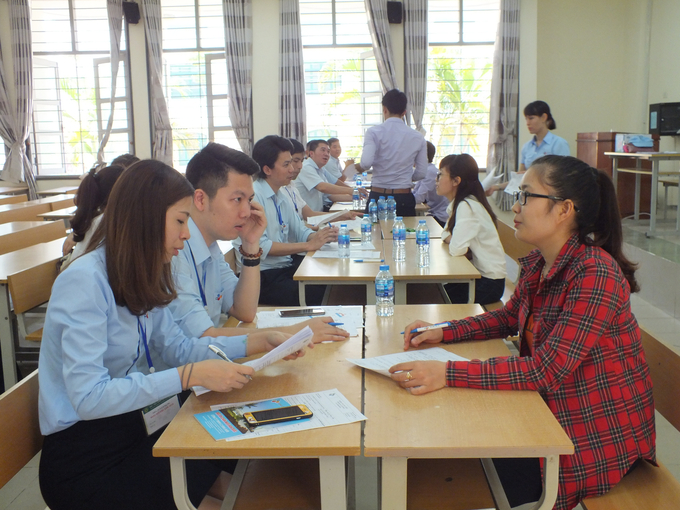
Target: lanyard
[[292, 198], [198, 279], [142, 333], [278, 213]]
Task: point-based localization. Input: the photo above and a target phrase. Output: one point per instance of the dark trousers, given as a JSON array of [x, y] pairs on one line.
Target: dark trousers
[[521, 479], [487, 291], [406, 202], [277, 287], [108, 464]]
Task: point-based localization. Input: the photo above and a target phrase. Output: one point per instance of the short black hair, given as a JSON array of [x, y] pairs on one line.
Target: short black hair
[[297, 146], [538, 108], [331, 141], [313, 144], [266, 151], [395, 101], [209, 169], [431, 151]]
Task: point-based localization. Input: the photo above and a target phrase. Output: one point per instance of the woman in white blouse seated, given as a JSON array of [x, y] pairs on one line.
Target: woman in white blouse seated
[[106, 313], [471, 229]]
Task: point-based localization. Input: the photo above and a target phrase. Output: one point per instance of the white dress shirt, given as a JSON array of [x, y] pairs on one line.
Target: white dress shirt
[[393, 149], [475, 230]]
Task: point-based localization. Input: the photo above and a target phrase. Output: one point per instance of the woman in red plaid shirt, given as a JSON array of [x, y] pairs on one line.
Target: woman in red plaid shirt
[[579, 341]]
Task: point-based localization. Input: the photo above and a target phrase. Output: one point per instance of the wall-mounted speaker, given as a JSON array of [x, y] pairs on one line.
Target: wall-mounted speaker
[[395, 12], [131, 11]]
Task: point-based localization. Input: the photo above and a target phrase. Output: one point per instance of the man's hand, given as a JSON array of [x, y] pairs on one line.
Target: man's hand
[[254, 227], [323, 236]]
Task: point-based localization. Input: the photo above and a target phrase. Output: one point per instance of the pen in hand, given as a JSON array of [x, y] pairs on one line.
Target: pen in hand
[[221, 354], [433, 326]]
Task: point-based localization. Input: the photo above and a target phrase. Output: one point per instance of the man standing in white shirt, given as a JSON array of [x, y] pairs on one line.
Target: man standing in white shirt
[[393, 150]]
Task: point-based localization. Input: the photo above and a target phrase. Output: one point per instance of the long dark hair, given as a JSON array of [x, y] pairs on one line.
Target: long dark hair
[[597, 217], [93, 194], [465, 167], [133, 232], [538, 108]]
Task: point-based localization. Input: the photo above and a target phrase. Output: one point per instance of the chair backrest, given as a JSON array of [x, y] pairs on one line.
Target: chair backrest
[[26, 211], [19, 427], [63, 203], [512, 246], [32, 287], [46, 231], [664, 366], [12, 199]]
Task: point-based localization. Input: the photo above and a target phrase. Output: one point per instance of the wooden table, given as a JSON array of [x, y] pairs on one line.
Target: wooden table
[[322, 368], [451, 422], [12, 199], [59, 191], [20, 234], [412, 222], [14, 190], [65, 214], [11, 263], [655, 158]]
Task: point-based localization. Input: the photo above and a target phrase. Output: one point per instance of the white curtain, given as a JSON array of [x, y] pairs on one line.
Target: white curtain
[[238, 28], [162, 137], [114, 10], [378, 26], [15, 119], [292, 108], [502, 155], [415, 56]]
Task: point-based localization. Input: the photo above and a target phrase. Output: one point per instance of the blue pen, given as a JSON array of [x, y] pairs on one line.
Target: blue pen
[[427, 328], [336, 323]]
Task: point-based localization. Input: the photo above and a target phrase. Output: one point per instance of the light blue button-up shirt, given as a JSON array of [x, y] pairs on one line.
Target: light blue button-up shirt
[[551, 144], [197, 268], [393, 149], [334, 168], [310, 176], [286, 228], [91, 345], [426, 191]]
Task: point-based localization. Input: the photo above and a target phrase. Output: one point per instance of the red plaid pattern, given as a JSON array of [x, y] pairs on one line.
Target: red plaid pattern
[[588, 364]]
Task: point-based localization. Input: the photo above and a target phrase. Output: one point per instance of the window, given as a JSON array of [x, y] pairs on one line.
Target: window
[[343, 91], [72, 87], [195, 76], [461, 38]]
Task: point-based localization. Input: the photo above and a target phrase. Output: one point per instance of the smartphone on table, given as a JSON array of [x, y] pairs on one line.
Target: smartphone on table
[[301, 312], [277, 415]]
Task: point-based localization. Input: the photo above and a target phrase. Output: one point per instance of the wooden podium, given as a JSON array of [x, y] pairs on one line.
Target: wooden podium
[[590, 147]]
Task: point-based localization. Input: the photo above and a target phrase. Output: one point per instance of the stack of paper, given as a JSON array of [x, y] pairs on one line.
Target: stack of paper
[[382, 364], [350, 318]]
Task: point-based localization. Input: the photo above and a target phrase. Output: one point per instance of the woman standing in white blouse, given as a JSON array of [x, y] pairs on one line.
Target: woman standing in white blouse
[[471, 229]]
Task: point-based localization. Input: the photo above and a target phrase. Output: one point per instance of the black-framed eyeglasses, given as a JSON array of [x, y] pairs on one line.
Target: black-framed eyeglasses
[[439, 174], [521, 197]]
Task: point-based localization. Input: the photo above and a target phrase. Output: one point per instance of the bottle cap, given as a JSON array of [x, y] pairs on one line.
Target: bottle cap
[[421, 222], [400, 218], [343, 225], [384, 267], [390, 196]]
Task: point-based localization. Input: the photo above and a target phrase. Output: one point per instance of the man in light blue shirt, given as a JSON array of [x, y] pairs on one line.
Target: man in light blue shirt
[[393, 150], [286, 234], [221, 210], [425, 191], [334, 167], [317, 186]]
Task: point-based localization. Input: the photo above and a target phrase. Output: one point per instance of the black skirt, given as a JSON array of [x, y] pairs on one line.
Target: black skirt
[[107, 464]]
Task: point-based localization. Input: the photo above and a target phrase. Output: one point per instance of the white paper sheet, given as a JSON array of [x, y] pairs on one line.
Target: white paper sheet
[[382, 364], [330, 408], [324, 218], [295, 343], [351, 317], [514, 182]]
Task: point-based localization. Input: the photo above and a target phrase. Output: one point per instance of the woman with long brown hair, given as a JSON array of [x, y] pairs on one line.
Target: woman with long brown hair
[[471, 229]]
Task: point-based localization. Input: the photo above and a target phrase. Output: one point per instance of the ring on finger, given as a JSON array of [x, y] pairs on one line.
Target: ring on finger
[[409, 376]]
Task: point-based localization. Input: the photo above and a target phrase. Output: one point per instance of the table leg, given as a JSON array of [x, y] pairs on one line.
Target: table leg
[[235, 485], [551, 470], [303, 298], [9, 366], [399, 293], [638, 185], [332, 481], [179, 484], [655, 192], [677, 210], [393, 483], [370, 293], [471, 291], [615, 173]]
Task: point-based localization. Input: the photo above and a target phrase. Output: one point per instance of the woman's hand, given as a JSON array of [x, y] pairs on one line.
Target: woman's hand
[[420, 377], [323, 332], [265, 341], [215, 374], [433, 336]]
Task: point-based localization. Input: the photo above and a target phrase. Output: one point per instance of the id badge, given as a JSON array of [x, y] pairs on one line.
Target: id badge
[[159, 414]]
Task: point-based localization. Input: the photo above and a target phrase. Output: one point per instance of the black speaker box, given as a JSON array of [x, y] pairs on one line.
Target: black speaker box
[[131, 11], [395, 12]]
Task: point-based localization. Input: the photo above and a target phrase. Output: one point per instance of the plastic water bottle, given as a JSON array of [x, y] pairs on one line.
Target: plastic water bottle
[[357, 180], [384, 292], [382, 208], [423, 244], [373, 211], [364, 175], [343, 241], [391, 208], [366, 230], [399, 240], [356, 199]]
